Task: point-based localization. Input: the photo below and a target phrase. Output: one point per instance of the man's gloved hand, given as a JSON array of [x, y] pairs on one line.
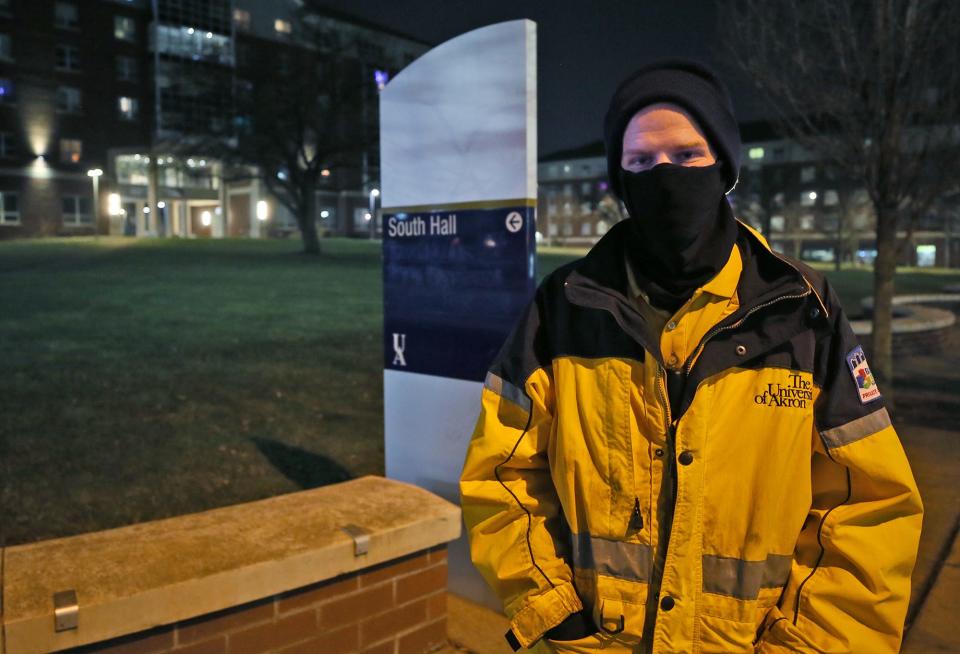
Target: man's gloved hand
[[575, 626]]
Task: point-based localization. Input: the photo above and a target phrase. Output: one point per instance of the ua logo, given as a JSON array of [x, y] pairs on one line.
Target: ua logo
[[399, 345]]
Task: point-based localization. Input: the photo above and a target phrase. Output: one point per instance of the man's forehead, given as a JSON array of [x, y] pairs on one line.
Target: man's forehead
[[663, 117]]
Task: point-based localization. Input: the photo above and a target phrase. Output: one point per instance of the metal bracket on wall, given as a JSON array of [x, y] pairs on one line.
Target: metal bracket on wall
[[66, 610], [361, 539]]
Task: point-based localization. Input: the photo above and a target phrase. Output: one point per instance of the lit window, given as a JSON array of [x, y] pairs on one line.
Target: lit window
[[69, 99], [124, 28], [6, 47], [585, 229], [808, 173], [66, 16], [808, 198], [127, 69], [9, 209], [586, 188], [71, 150], [282, 26], [830, 198], [807, 221], [76, 210], [241, 18], [777, 223], [6, 91], [129, 107], [7, 146], [755, 153], [68, 57]]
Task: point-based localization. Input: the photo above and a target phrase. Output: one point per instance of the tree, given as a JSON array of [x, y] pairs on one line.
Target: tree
[[872, 87], [301, 118]]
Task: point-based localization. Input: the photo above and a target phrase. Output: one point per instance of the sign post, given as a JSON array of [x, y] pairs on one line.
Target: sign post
[[458, 184]]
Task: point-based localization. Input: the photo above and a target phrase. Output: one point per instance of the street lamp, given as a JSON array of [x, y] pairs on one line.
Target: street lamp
[[94, 174], [374, 194]]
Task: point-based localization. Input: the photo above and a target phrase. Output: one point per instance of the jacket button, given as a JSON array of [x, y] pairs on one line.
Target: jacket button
[[667, 603], [658, 452], [741, 350], [686, 457], [671, 326]]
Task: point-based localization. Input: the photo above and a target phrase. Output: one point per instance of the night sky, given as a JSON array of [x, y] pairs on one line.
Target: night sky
[[584, 48]]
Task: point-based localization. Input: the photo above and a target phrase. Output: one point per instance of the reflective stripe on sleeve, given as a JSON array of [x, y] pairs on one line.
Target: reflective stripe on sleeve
[[612, 557], [854, 430], [744, 579], [507, 390]]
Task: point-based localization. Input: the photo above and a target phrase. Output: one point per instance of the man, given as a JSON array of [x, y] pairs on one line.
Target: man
[[680, 446]]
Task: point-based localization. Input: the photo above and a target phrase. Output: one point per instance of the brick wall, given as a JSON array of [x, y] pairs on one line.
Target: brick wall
[[399, 607]]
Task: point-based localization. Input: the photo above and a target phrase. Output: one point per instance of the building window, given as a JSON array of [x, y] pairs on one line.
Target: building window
[[808, 174], [807, 222], [755, 153], [68, 57], [585, 229], [282, 26], [777, 223], [6, 47], [66, 16], [129, 107], [9, 208], [76, 210], [71, 150], [69, 99], [241, 18], [585, 189], [830, 198], [808, 198], [124, 28], [127, 69], [7, 146], [7, 95]]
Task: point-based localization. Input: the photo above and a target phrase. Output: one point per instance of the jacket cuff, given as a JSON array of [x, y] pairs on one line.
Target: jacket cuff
[[544, 612]]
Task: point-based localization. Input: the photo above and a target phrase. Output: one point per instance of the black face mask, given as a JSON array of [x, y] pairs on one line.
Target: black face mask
[[683, 229]]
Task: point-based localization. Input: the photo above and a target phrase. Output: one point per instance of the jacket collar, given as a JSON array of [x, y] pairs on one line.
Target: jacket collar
[[765, 274]]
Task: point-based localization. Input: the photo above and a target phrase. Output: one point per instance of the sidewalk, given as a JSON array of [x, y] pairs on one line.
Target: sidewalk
[[935, 628]]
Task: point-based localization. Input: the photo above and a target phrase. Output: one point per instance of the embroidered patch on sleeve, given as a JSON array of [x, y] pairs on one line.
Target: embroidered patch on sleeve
[[862, 377]]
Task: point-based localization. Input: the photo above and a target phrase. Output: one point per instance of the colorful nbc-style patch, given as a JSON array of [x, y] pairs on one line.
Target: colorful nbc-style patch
[[862, 377]]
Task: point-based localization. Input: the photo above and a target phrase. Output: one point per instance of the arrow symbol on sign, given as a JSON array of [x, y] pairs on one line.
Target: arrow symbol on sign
[[514, 221]]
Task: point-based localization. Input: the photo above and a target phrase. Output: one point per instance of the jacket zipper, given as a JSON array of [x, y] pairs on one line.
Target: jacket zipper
[[636, 519], [717, 330]]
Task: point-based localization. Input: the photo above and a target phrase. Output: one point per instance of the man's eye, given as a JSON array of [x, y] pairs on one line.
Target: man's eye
[[689, 154]]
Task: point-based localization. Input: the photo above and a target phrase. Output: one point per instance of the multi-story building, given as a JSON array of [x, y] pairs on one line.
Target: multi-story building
[[125, 97], [804, 206]]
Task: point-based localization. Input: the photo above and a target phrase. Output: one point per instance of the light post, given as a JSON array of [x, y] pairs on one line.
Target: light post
[[94, 174], [374, 194]]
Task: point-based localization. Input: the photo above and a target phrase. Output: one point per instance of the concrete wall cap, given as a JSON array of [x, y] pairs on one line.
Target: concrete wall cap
[[140, 576]]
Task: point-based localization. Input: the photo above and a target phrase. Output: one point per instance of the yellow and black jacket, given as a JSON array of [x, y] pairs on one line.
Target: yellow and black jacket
[[751, 496]]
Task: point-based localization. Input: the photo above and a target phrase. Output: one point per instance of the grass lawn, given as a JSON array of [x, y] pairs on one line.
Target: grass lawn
[[149, 378]]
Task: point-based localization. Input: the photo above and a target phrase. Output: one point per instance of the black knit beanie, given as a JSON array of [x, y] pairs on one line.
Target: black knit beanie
[[689, 84]]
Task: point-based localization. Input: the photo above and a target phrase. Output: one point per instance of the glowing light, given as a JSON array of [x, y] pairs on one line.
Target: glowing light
[[146, 210], [261, 210], [161, 204], [375, 193], [209, 35], [324, 214], [191, 163], [190, 30], [203, 162], [325, 172], [113, 204], [812, 195], [367, 216], [94, 172], [755, 153], [380, 78], [206, 219]]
